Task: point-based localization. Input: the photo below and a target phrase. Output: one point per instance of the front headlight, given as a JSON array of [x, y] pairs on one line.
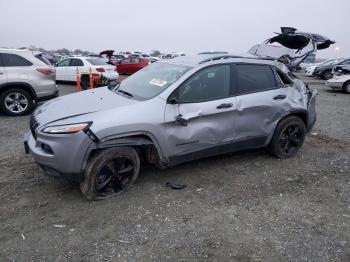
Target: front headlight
[[66, 129]]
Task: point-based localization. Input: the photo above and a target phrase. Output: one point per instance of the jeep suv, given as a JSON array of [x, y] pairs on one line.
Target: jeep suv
[[26, 78], [167, 113]]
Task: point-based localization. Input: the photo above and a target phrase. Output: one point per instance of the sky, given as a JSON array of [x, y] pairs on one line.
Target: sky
[[189, 26]]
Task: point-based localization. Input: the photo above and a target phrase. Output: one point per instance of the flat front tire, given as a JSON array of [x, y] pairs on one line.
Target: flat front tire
[[288, 137], [110, 172]]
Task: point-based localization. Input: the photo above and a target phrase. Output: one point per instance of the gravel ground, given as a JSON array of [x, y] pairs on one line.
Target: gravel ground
[[247, 206]]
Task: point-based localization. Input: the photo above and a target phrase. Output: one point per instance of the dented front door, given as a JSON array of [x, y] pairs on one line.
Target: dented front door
[[204, 117]]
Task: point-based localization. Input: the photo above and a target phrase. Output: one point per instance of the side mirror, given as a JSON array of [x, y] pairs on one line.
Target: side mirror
[[173, 101]]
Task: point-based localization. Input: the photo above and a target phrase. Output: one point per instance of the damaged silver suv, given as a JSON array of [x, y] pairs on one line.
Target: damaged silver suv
[[168, 113]]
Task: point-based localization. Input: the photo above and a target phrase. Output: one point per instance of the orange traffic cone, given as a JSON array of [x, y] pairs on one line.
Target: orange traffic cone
[[78, 80], [91, 79]]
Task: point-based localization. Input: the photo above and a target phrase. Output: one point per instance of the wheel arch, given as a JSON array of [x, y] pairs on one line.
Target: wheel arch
[[345, 83], [22, 85], [303, 114], [141, 141]]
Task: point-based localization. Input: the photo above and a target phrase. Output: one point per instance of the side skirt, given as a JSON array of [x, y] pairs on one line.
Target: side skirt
[[229, 147]]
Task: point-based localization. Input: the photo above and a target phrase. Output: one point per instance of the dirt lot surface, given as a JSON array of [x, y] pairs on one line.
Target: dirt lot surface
[[246, 206]]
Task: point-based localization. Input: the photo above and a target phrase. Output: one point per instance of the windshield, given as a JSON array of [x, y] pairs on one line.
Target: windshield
[[151, 80], [96, 61]]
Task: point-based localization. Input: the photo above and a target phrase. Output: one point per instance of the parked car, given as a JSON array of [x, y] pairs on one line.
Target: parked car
[[66, 70], [172, 55], [131, 65], [325, 71], [171, 112], [310, 70], [341, 69], [110, 57], [117, 58], [25, 79], [340, 82]]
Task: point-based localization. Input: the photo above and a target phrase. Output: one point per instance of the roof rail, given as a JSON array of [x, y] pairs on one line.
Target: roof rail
[[218, 58], [235, 56]]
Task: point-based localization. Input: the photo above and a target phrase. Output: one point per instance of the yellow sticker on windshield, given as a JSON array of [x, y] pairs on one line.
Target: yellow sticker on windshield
[[157, 82]]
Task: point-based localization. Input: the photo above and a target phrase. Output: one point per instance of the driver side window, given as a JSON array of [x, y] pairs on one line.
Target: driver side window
[[208, 84]]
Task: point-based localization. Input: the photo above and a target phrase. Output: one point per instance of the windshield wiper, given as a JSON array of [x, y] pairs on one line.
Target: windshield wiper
[[124, 92]]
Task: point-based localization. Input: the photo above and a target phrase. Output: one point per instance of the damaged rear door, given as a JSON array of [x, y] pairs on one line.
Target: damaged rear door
[[260, 103], [291, 46], [203, 115]]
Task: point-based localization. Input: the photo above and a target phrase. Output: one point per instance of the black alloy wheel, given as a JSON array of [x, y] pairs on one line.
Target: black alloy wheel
[[110, 172]]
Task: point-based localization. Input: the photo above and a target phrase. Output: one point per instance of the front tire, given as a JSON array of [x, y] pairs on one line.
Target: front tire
[[16, 102], [110, 172], [288, 137]]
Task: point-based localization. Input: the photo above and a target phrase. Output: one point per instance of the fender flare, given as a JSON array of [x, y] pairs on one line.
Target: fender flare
[[137, 138], [18, 84], [289, 113]]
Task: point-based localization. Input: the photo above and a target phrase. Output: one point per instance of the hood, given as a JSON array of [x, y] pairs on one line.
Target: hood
[[80, 103], [291, 46]]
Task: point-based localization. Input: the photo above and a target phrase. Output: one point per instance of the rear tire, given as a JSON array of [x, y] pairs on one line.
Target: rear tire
[[110, 172], [16, 102], [346, 87], [288, 137]]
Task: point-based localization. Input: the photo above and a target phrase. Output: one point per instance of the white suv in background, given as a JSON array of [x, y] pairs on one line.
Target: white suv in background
[[26, 77]]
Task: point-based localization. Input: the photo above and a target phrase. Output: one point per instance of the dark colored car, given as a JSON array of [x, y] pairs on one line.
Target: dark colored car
[[325, 71], [131, 65]]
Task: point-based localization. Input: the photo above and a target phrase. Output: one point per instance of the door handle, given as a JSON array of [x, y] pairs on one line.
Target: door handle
[[280, 97], [225, 105]]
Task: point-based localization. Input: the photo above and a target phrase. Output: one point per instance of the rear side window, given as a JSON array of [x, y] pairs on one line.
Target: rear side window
[[76, 62], [209, 84], [43, 58], [9, 60], [254, 78]]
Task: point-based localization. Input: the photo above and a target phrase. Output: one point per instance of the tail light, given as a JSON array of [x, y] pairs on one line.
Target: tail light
[[100, 69], [46, 70]]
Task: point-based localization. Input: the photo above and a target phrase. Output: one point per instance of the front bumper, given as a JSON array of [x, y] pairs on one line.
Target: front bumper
[[48, 97], [334, 85], [66, 157]]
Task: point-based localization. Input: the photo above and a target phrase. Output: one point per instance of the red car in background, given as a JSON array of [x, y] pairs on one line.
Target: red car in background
[[131, 65]]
